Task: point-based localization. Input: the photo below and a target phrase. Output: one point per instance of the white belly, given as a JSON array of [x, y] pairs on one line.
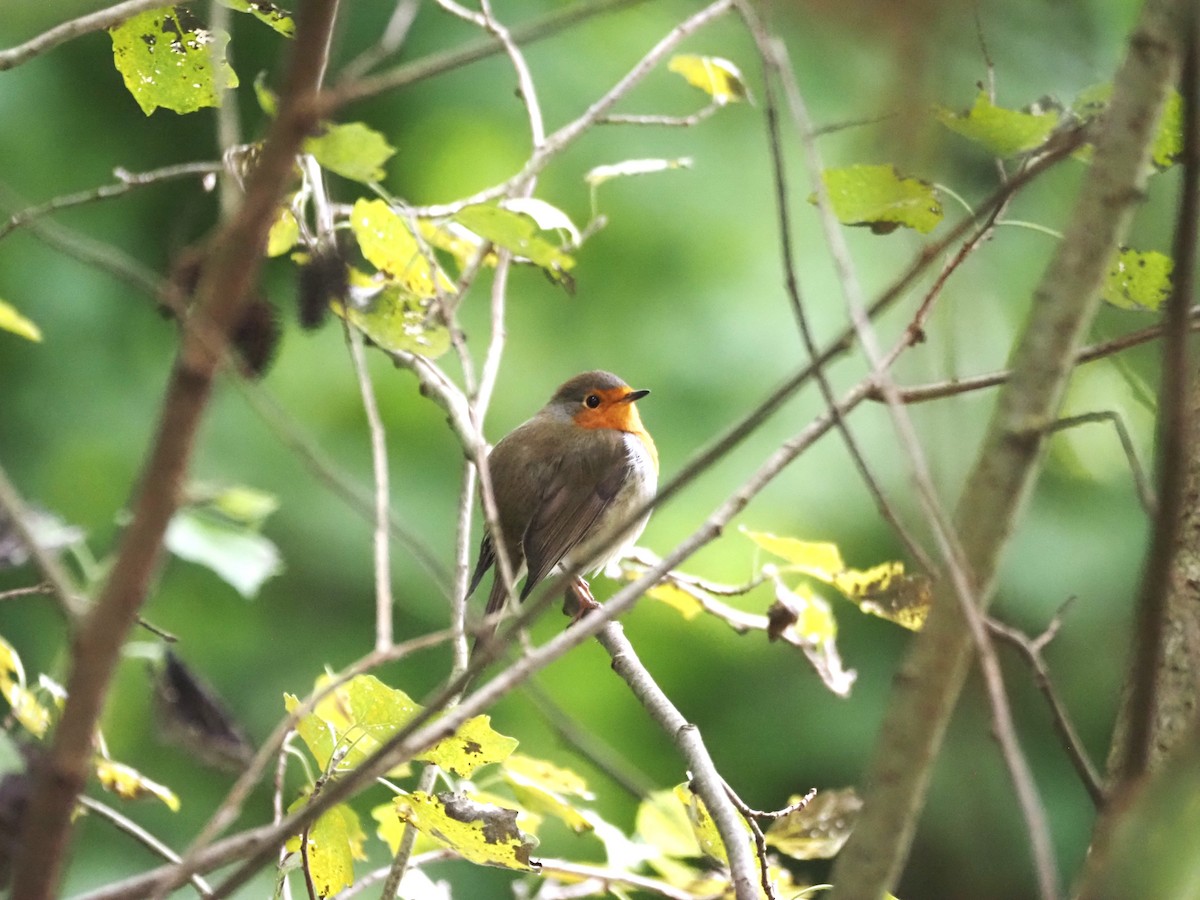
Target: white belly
[[635, 494]]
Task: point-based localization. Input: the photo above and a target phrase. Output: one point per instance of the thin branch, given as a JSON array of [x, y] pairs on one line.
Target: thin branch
[[1140, 482], [224, 286], [705, 778], [953, 386], [662, 121], [1174, 429], [60, 34], [408, 840], [390, 41], [33, 590], [603, 878], [142, 836], [1031, 651], [126, 182]]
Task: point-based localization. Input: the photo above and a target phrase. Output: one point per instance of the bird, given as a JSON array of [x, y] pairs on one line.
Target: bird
[[564, 483]]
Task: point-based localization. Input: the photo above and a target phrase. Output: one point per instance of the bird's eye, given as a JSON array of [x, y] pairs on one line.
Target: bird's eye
[[591, 401]]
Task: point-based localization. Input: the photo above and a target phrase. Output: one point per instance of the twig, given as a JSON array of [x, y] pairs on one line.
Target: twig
[[1140, 482], [1102, 350], [60, 34], [707, 782], [1031, 650], [391, 40], [59, 582], [142, 836], [606, 877], [1173, 432], [664, 121], [408, 839], [33, 590], [126, 182]]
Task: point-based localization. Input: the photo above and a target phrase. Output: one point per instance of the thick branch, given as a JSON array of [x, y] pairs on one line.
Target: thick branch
[[224, 285], [930, 680]]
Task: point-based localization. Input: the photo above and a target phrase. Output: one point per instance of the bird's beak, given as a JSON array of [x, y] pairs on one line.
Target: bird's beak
[[634, 395]]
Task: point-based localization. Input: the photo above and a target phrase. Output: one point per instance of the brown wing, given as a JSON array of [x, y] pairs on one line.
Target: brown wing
[[578, 496]]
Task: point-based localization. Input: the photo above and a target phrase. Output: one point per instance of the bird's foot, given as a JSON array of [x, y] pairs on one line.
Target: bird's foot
[[578, 600]]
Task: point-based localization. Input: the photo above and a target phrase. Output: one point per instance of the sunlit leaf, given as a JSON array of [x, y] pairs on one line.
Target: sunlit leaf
[[129, 784], [478, 832], [266, 12], [351, 150], [703, 826], [15, 323], [386, 242], [284, 233], [542, 786], [821, 559], [601, 174], [168, 60], [881, 199], [475, 744], [241, 556], [547, 216], [26, 708], [1003, 132], [719, 78], [391, 829], [517, 233], [819, 830], [662, 820], [886, 591], [396, 319], [334, 841], [1139, 280]]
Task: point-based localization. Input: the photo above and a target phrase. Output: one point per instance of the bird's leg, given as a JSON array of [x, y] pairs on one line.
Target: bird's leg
[[578, 600]]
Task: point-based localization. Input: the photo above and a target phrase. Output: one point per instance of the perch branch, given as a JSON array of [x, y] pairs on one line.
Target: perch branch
[[60, 34]]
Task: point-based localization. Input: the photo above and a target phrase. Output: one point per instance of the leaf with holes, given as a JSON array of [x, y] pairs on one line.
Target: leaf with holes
[[1138, 280]]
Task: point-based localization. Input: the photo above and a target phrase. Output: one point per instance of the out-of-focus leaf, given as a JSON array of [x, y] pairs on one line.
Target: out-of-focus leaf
[[1091, 103], [284, 233], [26, 708], [268, 102], [515, 232], [239, 503], [703, 827], [49, 531], [819, 830], [662, 820], [601, 174], [545, 787], [885, 591], [678, 599], [15, 323], [717, 77], [1139, 280], [266, 12], [351, 150], [129, 784], [881, 199], [168, 60], [386, 242], [241, 556], [335, 840], [821, 559], [547, 217], [478, 832], [1003, 132]]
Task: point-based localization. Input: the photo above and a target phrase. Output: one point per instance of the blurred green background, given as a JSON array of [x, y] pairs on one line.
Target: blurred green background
[[682, 293]]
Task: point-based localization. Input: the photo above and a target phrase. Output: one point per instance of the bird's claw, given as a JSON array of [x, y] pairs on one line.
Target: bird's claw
[[578, 600]]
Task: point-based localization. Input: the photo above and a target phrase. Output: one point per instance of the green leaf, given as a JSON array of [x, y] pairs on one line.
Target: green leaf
[[662, 820], [241, 556], [719, 78], [819, 829], [386, 242], [881, 198], [266, 12], [12, 321], [515, 232], [1003, 132], [1091, 103], [1139, 280], [395, 319], [239, 503], [703, 826], [351, 150], [168, 61], [478, 832]]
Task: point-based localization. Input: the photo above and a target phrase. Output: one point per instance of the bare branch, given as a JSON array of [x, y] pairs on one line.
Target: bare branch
[[60, 34]]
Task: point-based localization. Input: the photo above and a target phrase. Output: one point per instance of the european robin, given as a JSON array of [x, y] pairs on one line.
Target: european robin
[[565, 481]]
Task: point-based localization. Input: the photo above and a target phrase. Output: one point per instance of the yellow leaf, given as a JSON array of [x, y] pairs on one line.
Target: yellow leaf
[[334, 841], [885, 591], [820, 559], [719, 78], [475, 744], [703, 827], [678, 599], [662, 820], [543, 786], [129, 784], [12, 321], [386, 242], [26, 708], [284, 233], [478, 832]]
